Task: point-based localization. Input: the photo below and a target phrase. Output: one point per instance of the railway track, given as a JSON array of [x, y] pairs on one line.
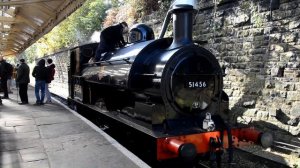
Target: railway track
[[288, 148], [243, 158]]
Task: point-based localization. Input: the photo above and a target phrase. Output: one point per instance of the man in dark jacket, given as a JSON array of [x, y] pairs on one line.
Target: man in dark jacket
[[50, 77], [23, 80], [110, 38], [40, 74], [4, 68]]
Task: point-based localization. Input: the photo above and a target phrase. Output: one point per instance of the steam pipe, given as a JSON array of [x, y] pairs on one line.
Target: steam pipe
[[177, 4], [165, 24]]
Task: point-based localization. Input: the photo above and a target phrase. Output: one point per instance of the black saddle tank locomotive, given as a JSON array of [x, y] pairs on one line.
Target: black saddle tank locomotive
[[170, 87]]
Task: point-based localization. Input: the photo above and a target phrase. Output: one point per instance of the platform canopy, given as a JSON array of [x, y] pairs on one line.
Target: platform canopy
[[22, 22]]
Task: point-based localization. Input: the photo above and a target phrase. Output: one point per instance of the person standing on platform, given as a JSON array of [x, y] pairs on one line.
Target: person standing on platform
[[4, 68], [40, 74], [23, 80], [111, 38], [9, 77], [50, 77]]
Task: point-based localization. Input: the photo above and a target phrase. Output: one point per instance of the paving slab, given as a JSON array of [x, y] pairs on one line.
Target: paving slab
[[29, 128], [10, 157], [17, 136], [20, 144], [12, 123], [62, 129], [30, 157], [50, 136], [33, 164], [90, 156], [56, 119], [7, 130]]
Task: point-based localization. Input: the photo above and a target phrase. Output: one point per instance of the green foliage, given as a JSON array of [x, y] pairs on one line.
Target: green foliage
[[30, 53], [75, 29], [143, 7], [115, 3], [91, 17]]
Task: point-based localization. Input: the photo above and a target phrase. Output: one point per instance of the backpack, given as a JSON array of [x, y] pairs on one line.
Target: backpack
[[50, 74], [10, 69]]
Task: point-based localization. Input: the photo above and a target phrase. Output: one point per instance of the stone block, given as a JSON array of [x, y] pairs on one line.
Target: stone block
[[260, 38], [293, 65], [260, 44], [244, 120], [241, 19], [278, 47], [273, 111], [236, 93], [293, 95], [290, 13], [274, 56], [295, 111], [289, 5], [249, 104], [231, 59], [257, 32], [228, 92], [247, 45], [294, 24], [257, 65], [294, 130], [289, 37], [227, 84], [275, 38], [257, 51], [286, 56], [245, 33], [262, 115], [232, 78], [248, 39], [250, 112], [297, 86], [258, 57], [282, 126]]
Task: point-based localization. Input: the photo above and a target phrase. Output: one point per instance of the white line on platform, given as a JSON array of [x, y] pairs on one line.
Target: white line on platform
[[126, 152]]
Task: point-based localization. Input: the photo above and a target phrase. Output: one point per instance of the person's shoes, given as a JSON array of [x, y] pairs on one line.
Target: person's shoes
[[4, 97], [23, 103], [48, 102], [41, 103]]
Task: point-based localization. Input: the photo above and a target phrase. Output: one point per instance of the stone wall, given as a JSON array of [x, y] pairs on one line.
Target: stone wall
[[259, 49], [259, 46]]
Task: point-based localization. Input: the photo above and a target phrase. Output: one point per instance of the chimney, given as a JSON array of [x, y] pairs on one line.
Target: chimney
[[182, 12], [182, 25]]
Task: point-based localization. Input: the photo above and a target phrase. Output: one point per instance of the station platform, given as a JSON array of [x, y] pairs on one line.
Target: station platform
[[52, 136]]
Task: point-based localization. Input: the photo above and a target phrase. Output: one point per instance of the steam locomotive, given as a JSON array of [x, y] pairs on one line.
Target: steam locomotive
[[168, 89]]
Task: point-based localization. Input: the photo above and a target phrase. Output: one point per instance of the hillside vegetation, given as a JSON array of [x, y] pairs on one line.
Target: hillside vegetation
[[92, 17]]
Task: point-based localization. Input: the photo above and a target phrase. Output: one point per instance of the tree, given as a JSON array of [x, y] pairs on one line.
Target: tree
[[74, 30], [144, 7]]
